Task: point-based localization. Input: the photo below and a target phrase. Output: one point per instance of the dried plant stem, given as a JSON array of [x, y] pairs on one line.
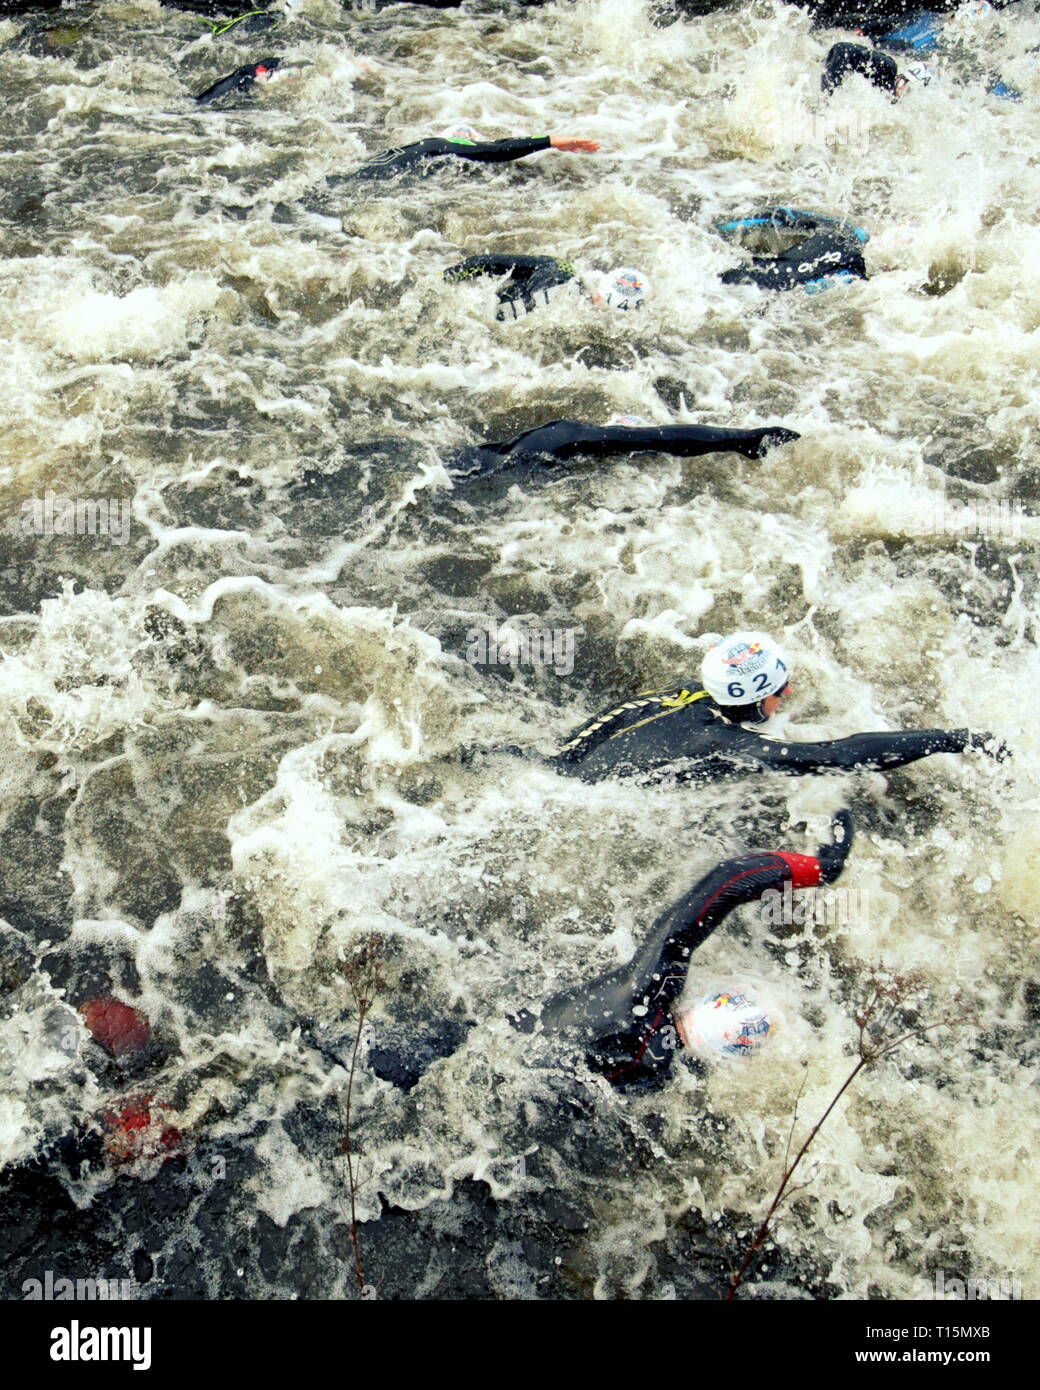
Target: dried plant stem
[[873, 1017], [364, 976]]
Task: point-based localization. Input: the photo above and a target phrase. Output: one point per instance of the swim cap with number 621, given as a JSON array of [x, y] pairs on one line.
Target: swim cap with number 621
[[744, 668]]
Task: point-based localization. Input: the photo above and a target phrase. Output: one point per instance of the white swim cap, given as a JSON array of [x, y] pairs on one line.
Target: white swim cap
[[625, 287], [462, 132], [634, 422], [744, 668], [729, 1023], [922, 74]]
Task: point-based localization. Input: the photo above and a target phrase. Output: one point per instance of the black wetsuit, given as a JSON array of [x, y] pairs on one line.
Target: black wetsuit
[[329, 502], [561, 440], [920, 39], [623, 1019], [422, 157], [827, 248], [682, 735], [243, 79], [530, 277], [844, 58], [620, 1022]]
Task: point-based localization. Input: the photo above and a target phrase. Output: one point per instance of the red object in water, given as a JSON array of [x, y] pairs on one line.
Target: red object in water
[[117, 1027], [136, 1130]]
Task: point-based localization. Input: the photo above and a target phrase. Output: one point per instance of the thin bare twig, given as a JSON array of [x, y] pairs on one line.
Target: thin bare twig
[[794, 1113], [364, 976], [886, 993]]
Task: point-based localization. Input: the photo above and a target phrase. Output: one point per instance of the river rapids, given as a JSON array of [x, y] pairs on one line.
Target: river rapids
[[231, 720]]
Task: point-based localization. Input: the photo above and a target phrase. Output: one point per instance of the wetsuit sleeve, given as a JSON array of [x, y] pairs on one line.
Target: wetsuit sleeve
[[623, 1018], [241, 80], [567, 439], [435, 147], [860, 752], [683, 441], [500, 151], [660, 968]]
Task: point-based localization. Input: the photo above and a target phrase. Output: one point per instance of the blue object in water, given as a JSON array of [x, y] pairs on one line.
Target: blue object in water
[[922, 35], [797, 217], [827, 282]]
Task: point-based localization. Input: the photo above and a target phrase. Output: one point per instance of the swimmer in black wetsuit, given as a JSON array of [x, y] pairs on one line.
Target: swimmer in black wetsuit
[[917, 43], [462, 142], [623, 1023], [696, 734], [826, 249], [251, 75], [627, 1025], [388, 464], [528, 280], [622, 1019], [561, 440], [878, 68], [243, 79]]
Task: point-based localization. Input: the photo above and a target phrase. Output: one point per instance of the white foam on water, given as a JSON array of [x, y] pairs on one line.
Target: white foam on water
[[253, 707]]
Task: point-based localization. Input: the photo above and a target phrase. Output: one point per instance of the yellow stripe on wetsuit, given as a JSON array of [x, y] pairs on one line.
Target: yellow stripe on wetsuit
[[668, 703]]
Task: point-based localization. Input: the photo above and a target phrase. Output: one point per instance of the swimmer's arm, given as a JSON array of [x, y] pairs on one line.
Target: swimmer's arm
[[661, 965], [567, 439], [861, 752], [656, 975], [502, 151], [689, 923], [562, 440], [688, 441], [243, 79]]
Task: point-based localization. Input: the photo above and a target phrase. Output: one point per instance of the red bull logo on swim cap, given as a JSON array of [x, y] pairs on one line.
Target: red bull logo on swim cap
[[746, 657], [625, 287], [745, 650], [729, 1023]]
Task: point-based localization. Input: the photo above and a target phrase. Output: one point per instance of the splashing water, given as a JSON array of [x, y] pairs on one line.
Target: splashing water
[[230, 712]]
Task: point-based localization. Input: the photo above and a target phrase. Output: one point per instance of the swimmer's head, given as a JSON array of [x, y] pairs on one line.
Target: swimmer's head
[[632, 422], [462, 134], [265, 71], [916, 75], [623, 288], [747, 675], [726, 1023]]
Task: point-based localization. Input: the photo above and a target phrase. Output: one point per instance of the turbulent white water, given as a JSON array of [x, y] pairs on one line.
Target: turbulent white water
[[227, 730]]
